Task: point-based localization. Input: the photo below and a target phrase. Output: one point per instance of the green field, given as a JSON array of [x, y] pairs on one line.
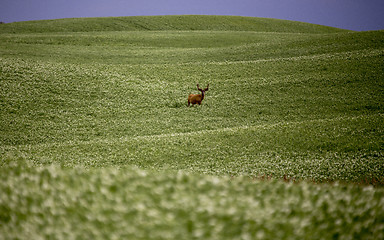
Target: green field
[[97, 141]]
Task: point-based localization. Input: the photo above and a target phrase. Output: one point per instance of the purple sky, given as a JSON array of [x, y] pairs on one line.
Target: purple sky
[[359, 15]]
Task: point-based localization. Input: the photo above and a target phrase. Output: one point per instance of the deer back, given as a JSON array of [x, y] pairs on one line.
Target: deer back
[[195, 98]]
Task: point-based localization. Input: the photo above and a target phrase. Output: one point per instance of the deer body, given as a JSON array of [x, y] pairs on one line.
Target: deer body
[[197, 98]]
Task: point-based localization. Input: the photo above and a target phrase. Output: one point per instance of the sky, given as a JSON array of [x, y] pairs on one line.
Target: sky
[[358, 15]]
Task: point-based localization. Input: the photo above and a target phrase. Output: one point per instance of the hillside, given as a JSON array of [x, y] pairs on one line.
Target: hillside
[[161, 23], [270, 94], [97, 141]]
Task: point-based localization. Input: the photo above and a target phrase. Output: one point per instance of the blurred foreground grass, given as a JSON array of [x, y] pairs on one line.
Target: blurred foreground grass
[[52, 202]]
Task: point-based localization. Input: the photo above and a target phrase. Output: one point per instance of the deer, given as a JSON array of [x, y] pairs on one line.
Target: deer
[[197, 98]]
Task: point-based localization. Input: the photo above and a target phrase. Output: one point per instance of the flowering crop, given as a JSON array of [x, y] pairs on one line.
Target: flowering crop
[[60, 203], [97, 141]]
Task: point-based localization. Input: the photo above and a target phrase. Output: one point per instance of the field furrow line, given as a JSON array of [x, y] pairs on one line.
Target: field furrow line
[[194, 133], [341, 55]]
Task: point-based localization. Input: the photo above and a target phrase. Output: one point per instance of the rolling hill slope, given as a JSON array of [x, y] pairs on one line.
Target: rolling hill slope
[[97, 141], [167, 23], [92, 88]]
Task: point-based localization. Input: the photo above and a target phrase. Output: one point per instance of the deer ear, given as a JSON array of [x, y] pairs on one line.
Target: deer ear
[[206, 88]]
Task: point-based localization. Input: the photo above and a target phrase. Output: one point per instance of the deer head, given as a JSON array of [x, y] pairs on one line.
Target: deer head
[[197, 98]]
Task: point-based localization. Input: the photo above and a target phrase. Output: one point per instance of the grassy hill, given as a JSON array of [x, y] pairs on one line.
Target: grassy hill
[[97, 141], [166, 23]]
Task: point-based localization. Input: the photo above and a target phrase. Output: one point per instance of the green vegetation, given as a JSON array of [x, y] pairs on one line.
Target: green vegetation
[[169, 23], [106, 203], [97, 141]]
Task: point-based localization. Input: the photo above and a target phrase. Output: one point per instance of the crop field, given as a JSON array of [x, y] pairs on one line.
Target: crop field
[[97, 141]]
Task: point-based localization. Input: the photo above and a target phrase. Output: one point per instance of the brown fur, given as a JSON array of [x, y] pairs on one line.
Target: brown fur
[[197, 98]]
